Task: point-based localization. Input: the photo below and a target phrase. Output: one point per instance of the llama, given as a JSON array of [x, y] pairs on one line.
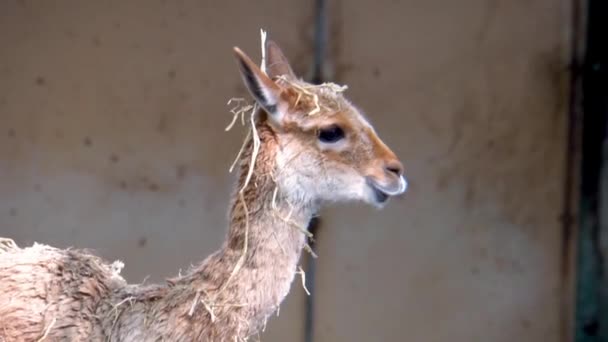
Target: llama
[[307, 146]]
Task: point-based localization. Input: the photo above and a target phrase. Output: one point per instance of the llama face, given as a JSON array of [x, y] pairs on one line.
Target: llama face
[[328, 151], [335, 155]]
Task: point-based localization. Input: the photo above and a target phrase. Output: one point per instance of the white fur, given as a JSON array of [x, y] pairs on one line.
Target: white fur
[[303, 180], [337, 146]]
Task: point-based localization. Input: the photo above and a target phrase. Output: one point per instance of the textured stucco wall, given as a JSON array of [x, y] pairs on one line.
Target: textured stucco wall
[[111, 138], [472, 96]]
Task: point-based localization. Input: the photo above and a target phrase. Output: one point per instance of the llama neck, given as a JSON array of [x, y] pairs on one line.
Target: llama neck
[[230, 294], [248, 278], [265, 227]]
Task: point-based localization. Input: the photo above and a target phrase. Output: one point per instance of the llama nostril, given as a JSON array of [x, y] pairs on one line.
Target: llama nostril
[[394, 167]]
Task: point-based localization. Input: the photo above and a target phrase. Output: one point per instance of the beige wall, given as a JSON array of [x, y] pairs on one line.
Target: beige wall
[[111, 138]]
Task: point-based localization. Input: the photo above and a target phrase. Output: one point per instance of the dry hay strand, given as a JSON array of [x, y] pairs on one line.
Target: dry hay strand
[[206, 304], [291, 223], [254, 154], [7, 245], [47, 330], [117, 311], [116, 267], [239, 110], [310, 92], [303, 276], [193, 306], [287, 219]]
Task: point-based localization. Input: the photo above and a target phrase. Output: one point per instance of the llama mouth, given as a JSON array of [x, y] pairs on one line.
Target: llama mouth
[[381, 197], [382, 193]]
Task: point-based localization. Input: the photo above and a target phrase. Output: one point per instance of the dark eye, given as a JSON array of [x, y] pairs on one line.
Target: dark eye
[[331, 134]]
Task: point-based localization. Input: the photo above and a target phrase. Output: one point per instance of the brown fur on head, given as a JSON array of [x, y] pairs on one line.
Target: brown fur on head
[[328, 151]]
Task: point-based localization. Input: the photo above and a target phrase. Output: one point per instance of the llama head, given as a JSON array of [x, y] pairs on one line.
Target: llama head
[[328, 151]]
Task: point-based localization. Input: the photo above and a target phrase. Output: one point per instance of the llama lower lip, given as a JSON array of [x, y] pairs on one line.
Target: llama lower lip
[[381, 197]]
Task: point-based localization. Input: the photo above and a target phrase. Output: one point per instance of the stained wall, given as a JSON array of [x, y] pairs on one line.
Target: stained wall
[[112, 119]]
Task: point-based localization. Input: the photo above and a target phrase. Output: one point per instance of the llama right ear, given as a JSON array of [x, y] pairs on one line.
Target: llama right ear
[[276, 62], [265, 92]]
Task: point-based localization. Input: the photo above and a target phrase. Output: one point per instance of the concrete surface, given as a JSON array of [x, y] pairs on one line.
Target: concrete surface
[[111, 138]]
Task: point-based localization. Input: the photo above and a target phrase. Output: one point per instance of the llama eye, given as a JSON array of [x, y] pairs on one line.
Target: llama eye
[[331, 134]]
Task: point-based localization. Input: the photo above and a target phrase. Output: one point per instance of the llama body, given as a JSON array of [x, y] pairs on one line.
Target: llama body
[[314, 147]]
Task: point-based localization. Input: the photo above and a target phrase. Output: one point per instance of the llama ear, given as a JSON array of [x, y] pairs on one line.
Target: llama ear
[[265, 92], [276, 62]]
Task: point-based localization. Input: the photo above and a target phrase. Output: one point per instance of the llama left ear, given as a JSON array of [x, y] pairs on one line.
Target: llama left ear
[[263, 89]]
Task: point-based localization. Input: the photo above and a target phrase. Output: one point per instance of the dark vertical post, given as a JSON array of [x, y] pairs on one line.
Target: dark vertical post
[[592, 299], [311, 268], [317, 77]]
